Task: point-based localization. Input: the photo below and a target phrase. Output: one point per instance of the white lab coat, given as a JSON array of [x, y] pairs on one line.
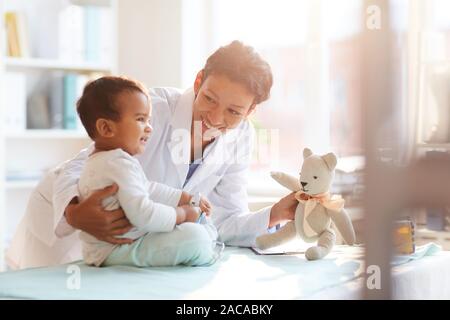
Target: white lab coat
[[222, 177]]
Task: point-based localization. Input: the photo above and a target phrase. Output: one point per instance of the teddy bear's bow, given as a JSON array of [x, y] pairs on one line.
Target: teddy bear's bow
[[335, 202]]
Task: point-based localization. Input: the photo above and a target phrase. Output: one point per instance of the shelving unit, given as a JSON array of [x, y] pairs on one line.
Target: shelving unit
[[37, 150], [2, 147], [431, 78], [47, 134], [424, 236], [20, 185], [57, 65], [435, 146], [434, 76]]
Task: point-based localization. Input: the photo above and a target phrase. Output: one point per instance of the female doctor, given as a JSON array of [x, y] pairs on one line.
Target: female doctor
[[201, 142]]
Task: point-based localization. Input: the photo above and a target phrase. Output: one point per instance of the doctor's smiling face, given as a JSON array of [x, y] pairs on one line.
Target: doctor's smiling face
[[233, 81], [220, 104]]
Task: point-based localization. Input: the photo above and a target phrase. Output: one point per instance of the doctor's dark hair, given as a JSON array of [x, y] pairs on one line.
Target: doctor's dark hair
[[242, 64], [99, 100]]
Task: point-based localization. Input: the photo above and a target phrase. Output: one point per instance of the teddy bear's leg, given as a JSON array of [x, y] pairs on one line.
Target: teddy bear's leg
[[324, 245], [286, 233]]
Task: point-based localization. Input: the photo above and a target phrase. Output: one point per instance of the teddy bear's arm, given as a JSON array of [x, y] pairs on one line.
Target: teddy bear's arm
[[288, 181], [270, 240], [343, 223]]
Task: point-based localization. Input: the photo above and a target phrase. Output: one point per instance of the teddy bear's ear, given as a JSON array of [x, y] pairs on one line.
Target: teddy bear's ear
[[306, 153], [331, 160]]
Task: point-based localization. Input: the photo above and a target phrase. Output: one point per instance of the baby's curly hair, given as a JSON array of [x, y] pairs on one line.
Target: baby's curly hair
[[99, 100]]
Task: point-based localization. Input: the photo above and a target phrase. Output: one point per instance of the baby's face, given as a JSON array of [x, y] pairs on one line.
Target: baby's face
[[133, 129]]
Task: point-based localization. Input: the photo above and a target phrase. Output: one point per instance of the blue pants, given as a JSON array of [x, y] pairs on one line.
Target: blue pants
[[189, 244]]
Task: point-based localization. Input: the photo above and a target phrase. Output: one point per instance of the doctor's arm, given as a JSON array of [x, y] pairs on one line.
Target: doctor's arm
[[88, 215], [236, 225]]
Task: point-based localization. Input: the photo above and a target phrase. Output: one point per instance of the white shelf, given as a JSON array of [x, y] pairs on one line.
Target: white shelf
[[47, 134], [2, 146], [443, 62], [19, 185], [424, 236], [26, 153], [423, 232], [445, 146], [49, 64], [101, 3]]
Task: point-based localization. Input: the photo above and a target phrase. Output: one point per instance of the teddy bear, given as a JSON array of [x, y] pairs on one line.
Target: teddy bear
[[316, 209]]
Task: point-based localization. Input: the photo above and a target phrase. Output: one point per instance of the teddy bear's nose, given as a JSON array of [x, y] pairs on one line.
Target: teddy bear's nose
[[303, 183]]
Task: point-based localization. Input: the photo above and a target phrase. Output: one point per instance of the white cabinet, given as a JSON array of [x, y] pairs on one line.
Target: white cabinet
[[424, 236], [50, 32], [2, 148], [432, 78]]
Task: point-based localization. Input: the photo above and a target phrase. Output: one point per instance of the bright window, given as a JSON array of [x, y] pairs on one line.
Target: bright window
[[313, 49]]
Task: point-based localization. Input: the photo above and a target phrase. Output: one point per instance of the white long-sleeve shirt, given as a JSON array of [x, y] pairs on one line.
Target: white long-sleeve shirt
[[149, 206]]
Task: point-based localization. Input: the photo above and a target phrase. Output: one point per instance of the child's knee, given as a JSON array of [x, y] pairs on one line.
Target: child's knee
[[197, 244], [193, 232]]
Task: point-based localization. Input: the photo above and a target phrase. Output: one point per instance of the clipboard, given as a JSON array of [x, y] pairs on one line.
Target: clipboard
[[294, 247]]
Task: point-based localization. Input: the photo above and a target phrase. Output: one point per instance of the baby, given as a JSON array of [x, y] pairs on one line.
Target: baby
[[115, 112]]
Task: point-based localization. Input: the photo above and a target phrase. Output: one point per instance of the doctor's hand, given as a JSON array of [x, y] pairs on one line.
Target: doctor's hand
[[283, 210], [90, 216], [205, 206]]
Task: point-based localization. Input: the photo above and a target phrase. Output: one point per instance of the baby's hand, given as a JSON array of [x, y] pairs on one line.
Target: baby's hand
[[192, 213], [205, 206], [186, 213]]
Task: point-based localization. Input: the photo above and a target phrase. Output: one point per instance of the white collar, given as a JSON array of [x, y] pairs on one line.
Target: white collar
[[182, 120]]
